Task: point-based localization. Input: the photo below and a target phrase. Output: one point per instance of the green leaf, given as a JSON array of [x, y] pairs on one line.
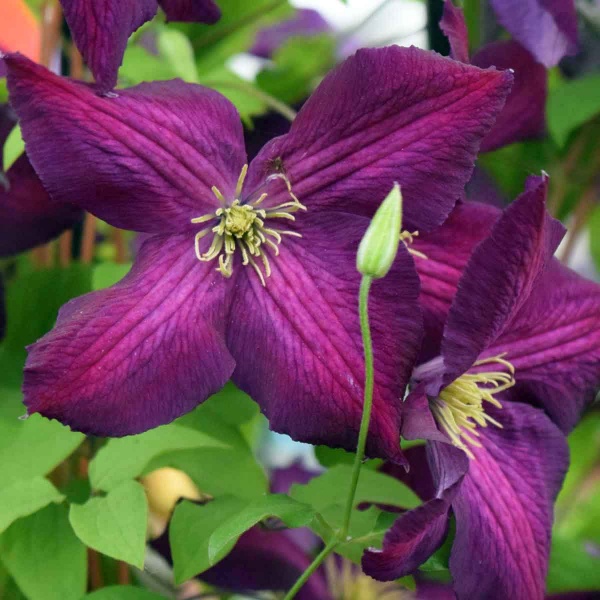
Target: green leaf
[[14, 146], [25, 497], [107, 274], [115, 524], [327, 489], [122, 592], [297, 66], [594, 229], [31, 447], [572, 567], [175, 47], [139, 65], [190, 530], [44, 556], [218, 471], [291, 512], [571, 104], [126, 458]]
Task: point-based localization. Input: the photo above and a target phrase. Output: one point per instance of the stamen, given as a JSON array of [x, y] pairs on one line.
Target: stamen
[[242, 225], [407, 238], [459, 407]]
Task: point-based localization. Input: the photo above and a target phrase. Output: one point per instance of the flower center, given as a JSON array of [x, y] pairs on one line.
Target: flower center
[[346, 581], [459, 407], [243, 226]]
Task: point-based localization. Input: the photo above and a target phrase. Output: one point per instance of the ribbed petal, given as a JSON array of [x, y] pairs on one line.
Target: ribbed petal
[[101, 29], [27, 215], [524, 115], [499, 278], [504, 508], [201, 11], [454, 26], [383, 116], [137, 355], [298, 346], [145, 160], [448, 249], [417, 534], [554, 344], [547, 28]]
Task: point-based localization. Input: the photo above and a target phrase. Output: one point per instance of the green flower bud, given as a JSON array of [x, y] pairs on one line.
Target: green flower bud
[[379, 245]]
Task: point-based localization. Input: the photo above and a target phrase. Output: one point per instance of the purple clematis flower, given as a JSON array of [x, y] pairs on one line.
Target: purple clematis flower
[[524, 115], [519, 358], [101, 28], [248, 273], [306, 22], [28, 217], [547, 28]]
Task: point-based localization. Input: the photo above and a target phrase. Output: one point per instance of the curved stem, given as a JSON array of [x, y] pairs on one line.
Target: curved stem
[[365, 286]]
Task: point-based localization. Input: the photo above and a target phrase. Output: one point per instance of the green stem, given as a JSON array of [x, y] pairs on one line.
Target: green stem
[[365, 286], [311, 569], [273, 103]]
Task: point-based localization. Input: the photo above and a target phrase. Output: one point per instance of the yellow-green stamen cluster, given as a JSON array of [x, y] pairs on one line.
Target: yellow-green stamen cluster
[[459, 408], [242, 226]]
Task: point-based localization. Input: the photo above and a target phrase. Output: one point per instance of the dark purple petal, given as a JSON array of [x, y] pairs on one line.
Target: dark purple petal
[[137, 355], [200, 11], [554, 344], [145, 160], [499, 278], [27, 215], [418, 422], [524, 115], [101, 29], [267, 560], [305, 22], [504, 507], [383, 116], [448, 249], [547, 28], [455, 29], [418, 477], [433, 590], [283, 478], [309, 373], [417, 534], [264, 129]]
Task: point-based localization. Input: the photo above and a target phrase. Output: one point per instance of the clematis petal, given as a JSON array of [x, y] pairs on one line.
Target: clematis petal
[[137, 355], [201, 11], [298, 346], [305, 22], [524, 115], [448, 249], [101, 29], [499, 278], [417, 534], [454, 26], [387, 115], [145, 160], [27, 215], [504, 507], [554, 344], [547, 28]]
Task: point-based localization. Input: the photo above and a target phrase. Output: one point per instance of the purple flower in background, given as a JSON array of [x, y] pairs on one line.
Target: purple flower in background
[[248, 273], [306, 22], [524, 115], [519, 358], [101, 28], [28, 217], [547, 28]]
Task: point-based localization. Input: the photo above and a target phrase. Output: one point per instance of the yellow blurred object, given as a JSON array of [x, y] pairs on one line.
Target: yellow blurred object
[[19, 29], [164, 487]]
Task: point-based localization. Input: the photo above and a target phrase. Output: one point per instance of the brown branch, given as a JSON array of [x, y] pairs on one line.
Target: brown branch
[[88, 241]]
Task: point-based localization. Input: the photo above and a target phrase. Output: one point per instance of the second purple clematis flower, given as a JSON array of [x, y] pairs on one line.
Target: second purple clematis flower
[[101, 28], [248, 272], [520, 356]]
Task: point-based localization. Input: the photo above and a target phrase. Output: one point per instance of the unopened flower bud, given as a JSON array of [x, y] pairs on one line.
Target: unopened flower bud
[[379, 245]]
